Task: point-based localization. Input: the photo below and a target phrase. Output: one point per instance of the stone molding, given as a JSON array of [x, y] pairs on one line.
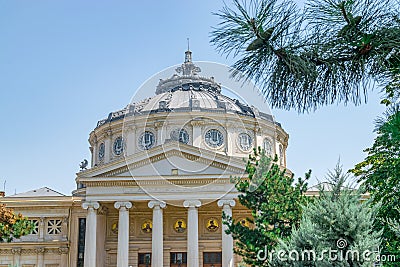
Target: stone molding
[[168, 154], [39, 250], [34, 251], [142, 158], [197, 123], [63, 250], [16, 250], [182, 181]]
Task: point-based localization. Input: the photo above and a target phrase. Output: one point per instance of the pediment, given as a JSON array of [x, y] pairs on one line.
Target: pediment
[[163, 160]]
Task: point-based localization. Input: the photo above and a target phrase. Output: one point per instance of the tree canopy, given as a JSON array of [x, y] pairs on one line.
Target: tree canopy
[[380, 174], [336, 221], [328, 52], [275, 202], [13, 225]]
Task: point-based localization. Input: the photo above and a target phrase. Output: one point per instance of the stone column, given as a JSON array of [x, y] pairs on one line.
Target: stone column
[[130, 141], [197, 135], [123, 233], [108, 146], [258, 137], [157, 234], [231, 136], [93, 152], [227, 240], [101, 237], [64, 230], [64, 256], [193, 232], [159, 126], [90, 236], [40, 256], [41, 229]]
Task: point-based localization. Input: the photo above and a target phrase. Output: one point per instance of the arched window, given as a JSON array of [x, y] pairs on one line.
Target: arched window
[[267, 146]]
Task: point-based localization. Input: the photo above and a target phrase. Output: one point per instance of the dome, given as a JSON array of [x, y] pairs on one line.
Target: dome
[[192, 110], [184, 99], [184, 91]]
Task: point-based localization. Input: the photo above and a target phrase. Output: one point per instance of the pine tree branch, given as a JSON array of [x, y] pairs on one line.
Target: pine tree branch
[[306, 63], [344, 13]]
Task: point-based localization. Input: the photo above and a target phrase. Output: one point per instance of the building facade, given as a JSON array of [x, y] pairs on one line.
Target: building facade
[[160, 178]]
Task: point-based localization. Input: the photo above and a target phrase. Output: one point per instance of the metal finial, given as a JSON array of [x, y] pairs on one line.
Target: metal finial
[[188, 53]]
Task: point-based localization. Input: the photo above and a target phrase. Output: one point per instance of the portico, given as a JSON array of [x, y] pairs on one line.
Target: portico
[[191, 249]]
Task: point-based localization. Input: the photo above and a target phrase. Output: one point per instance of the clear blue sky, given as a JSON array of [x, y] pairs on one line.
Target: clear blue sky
[[66, 64]]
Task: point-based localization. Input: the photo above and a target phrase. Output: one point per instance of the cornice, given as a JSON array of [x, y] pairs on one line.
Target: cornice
[[168, 154], [233, 164], [184, 180], [18, 248], [61, 202]]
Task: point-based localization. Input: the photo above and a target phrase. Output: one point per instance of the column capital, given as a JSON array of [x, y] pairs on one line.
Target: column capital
[[158, 124], [91, 205], [154, 203], [122, 204], [197, 122], [192, 203], [130, 128], [226, 202]]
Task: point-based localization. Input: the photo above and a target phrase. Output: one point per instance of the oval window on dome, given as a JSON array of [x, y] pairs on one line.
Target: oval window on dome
[[267, 146], [245, 141], [147, 140], [118, 146], [214, 138]]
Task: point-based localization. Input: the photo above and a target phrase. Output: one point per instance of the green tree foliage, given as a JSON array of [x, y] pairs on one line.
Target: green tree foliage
[[392, 91], [380, 174], [275, 202], [13, 225], [338, 223], [328, 52], [395, 226]]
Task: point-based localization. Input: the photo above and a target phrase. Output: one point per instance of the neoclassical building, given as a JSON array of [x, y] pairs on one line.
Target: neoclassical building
[[158, 182]]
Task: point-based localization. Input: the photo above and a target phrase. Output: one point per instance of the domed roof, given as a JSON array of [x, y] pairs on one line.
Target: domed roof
[[186, 90], [189, 99]]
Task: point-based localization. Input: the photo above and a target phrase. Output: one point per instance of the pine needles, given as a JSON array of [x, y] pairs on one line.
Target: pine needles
[[328, 52]]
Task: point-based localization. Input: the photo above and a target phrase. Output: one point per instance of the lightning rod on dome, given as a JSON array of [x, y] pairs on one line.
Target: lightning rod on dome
[[188, 53]]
